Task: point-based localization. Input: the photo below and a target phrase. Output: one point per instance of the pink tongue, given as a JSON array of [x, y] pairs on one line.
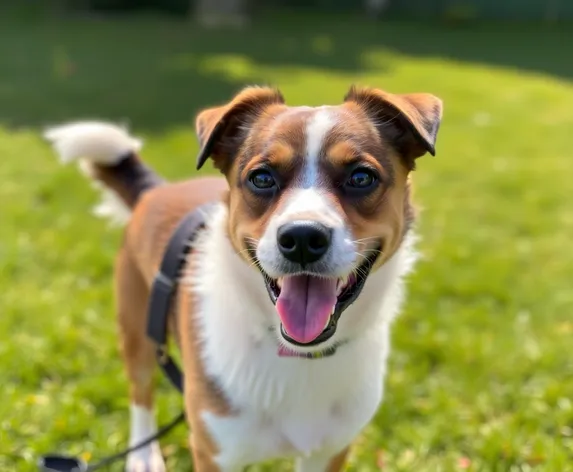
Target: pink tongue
[[305, 304]]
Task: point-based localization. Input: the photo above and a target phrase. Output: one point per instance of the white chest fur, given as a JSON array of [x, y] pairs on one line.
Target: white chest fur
[[287, 406], [298, 406]]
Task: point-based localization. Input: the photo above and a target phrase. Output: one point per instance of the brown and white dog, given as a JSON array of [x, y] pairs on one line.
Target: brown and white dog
[[314, 209]]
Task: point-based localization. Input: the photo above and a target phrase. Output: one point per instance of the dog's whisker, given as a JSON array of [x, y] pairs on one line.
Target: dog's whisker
[[250, 259], [370, 238]]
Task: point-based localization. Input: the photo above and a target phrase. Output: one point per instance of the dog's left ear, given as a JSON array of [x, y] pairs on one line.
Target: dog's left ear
[[410, 121], [221, 130]]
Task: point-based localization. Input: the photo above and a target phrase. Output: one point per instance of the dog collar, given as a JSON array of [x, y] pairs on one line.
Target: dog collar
[[320, 354]]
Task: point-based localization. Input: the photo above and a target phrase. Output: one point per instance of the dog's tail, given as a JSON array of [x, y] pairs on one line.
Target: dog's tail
[[108, 155]]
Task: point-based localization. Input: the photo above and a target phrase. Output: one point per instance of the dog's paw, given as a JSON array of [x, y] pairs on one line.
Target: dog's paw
[[146, 459]]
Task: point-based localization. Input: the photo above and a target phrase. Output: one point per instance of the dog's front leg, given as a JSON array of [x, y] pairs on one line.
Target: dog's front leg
[[322, 462], [205, 452]]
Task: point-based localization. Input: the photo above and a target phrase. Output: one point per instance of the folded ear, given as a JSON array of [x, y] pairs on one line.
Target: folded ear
[[222, 129], [410, 121]]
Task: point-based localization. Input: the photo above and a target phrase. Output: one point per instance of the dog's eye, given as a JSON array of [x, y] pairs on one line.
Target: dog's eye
[[262, 180], [362, 179]]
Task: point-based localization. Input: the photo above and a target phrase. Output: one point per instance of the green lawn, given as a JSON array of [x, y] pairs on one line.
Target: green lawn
[[481, 370]]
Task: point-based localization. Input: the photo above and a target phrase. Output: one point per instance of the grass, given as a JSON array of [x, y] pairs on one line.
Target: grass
[[481, 370]]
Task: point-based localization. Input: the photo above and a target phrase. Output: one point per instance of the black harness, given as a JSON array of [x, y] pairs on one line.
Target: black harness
[[164, 287]]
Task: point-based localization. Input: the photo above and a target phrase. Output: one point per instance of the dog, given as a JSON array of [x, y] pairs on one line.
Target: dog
[[312, 218]]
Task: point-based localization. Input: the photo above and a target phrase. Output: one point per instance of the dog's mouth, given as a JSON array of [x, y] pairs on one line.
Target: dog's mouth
[[310, 305]]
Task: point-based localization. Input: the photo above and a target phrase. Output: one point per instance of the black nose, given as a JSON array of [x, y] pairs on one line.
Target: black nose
[[303, 242]]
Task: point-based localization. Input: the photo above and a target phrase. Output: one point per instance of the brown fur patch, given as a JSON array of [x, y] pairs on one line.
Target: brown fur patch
[[336, 464]]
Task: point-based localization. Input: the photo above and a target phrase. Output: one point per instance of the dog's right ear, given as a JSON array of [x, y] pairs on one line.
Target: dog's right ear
[[221, 130]]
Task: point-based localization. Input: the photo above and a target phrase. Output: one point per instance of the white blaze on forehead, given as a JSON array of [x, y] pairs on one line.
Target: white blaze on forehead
[[317, 129], [308, 197], [311, 200]]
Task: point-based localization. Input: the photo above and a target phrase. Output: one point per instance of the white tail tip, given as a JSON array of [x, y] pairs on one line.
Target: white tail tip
[[98, 142]]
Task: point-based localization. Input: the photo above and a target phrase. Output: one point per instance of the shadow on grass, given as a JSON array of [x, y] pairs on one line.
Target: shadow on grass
[[155, 71]]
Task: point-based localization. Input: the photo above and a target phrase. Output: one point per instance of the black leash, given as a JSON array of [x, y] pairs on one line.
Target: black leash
[[160, 303], [57, 463]]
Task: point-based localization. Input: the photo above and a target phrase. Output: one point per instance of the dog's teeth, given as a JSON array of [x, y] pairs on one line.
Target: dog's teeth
[[329, 318]]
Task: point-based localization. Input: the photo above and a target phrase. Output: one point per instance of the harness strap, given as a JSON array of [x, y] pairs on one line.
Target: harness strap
[[164, 287]]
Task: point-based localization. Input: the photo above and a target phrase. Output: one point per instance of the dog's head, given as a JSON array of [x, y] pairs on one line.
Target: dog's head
[[319, 197]]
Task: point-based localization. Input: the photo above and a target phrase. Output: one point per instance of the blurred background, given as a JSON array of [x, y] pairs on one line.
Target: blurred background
[[481, 372]]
